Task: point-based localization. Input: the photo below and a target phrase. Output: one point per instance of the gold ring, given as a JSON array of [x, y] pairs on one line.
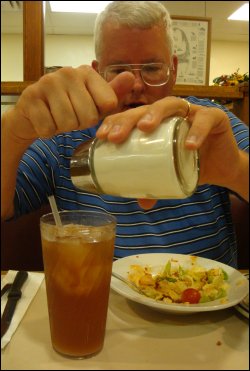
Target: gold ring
[[188, 108]]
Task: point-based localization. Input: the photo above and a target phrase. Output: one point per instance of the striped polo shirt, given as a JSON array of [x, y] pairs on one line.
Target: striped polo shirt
[[198, 225]]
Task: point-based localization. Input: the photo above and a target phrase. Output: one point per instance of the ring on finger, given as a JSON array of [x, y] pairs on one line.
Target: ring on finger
[[188, 109]]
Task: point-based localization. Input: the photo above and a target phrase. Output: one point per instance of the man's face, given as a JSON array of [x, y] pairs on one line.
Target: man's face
[[123, 45]]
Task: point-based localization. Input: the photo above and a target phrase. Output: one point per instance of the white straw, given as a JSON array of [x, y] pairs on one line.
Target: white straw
[[54, 209]]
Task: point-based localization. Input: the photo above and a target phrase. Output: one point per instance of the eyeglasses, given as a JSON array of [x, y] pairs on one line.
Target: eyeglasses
[[153, 74]]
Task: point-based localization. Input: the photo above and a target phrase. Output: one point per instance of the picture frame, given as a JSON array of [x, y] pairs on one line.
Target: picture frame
[[192, 45]]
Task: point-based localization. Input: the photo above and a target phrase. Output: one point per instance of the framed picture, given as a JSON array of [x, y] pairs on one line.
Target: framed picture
[[192, 45]]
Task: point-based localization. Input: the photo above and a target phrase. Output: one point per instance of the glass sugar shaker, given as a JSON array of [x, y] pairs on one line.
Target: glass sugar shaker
[[152, 165]]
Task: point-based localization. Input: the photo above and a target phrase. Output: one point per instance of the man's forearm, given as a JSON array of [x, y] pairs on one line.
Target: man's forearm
[[11, 153]]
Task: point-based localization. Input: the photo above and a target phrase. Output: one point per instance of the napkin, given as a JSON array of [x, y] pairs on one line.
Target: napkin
[[29, 290]]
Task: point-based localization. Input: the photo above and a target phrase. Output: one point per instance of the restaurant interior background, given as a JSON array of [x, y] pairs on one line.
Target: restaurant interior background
[[69, 37], [68, 41]]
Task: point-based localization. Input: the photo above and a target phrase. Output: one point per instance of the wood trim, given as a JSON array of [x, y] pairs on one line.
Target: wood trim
[[14, 87], [222, 92], [241, 109], [238, 94], [225, 92], [33, 40]]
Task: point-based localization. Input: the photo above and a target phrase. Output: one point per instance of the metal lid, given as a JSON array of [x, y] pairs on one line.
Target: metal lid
[[186, 161], [81, 169]]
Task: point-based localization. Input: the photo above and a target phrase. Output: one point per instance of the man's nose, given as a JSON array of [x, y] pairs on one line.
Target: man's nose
[[139, 83]]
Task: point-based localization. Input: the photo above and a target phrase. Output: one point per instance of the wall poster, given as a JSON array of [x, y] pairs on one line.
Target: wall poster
[[192, 44]]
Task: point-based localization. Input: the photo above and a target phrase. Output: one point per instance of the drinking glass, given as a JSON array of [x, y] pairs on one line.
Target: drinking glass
[[78, 260]]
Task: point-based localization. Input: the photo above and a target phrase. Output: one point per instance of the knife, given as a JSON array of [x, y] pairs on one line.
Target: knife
[[14, 295]]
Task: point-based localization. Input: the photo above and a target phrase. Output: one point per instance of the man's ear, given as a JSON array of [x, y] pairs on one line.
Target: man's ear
[[95, 65]]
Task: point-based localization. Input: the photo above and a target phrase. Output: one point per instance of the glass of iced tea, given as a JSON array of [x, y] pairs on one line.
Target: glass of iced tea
[[78, 260]]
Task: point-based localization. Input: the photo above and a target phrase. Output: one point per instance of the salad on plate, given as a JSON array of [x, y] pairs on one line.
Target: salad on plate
[[176, 283]]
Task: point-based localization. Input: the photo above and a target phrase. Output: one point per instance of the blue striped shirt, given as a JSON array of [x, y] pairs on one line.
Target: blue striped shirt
[[199, 225]]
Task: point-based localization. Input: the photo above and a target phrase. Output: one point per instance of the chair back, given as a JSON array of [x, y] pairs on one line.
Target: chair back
[[240, 215], [21, 242]]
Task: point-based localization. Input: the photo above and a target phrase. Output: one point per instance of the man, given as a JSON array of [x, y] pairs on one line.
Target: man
[[131, 38]]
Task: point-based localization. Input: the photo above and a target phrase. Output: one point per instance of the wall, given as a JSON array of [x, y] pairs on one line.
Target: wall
[[63, 50], [11, 57], [227, 57], [66, 50]]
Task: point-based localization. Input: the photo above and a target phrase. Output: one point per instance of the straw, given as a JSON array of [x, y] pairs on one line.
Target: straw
[[54, 209]]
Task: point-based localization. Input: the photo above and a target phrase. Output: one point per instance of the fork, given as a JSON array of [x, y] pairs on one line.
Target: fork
[[129, 283]]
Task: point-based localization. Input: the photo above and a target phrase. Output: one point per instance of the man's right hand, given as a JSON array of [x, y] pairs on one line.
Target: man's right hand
[[68, 99], [62, 101]]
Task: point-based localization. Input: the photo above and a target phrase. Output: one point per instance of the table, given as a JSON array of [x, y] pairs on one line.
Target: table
[[137, 338]]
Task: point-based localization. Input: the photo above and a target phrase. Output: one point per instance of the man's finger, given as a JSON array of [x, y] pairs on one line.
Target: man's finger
[[122, 84]]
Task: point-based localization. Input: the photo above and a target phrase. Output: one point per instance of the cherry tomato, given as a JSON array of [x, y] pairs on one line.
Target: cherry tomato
[[191, 296]]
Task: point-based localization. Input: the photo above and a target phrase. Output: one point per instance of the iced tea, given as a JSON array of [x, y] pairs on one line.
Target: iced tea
[[78, 262]]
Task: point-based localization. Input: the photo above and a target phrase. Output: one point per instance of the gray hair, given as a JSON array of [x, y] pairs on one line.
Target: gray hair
[[141, 14]]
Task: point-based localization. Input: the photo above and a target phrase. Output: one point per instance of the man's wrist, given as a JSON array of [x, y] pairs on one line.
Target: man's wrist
[[240, 181], [8, 131]]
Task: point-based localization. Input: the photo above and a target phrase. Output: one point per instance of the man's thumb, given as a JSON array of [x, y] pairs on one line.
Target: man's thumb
[[122, 84]]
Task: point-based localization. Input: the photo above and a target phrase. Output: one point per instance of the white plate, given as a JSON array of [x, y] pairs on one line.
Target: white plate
[[243, 306], [239, 284]]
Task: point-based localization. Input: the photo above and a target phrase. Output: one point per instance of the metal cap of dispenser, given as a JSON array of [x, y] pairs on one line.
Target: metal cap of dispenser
[[81, 167], [186, 162]]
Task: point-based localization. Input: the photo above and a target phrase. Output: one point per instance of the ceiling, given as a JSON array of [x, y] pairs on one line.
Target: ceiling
[[82, 24]]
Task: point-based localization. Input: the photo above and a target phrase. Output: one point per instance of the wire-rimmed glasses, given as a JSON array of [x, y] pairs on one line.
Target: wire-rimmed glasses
[[153, 74]]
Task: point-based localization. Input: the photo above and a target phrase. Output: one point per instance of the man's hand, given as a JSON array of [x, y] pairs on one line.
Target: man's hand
[[68, 99], [221, 161]]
